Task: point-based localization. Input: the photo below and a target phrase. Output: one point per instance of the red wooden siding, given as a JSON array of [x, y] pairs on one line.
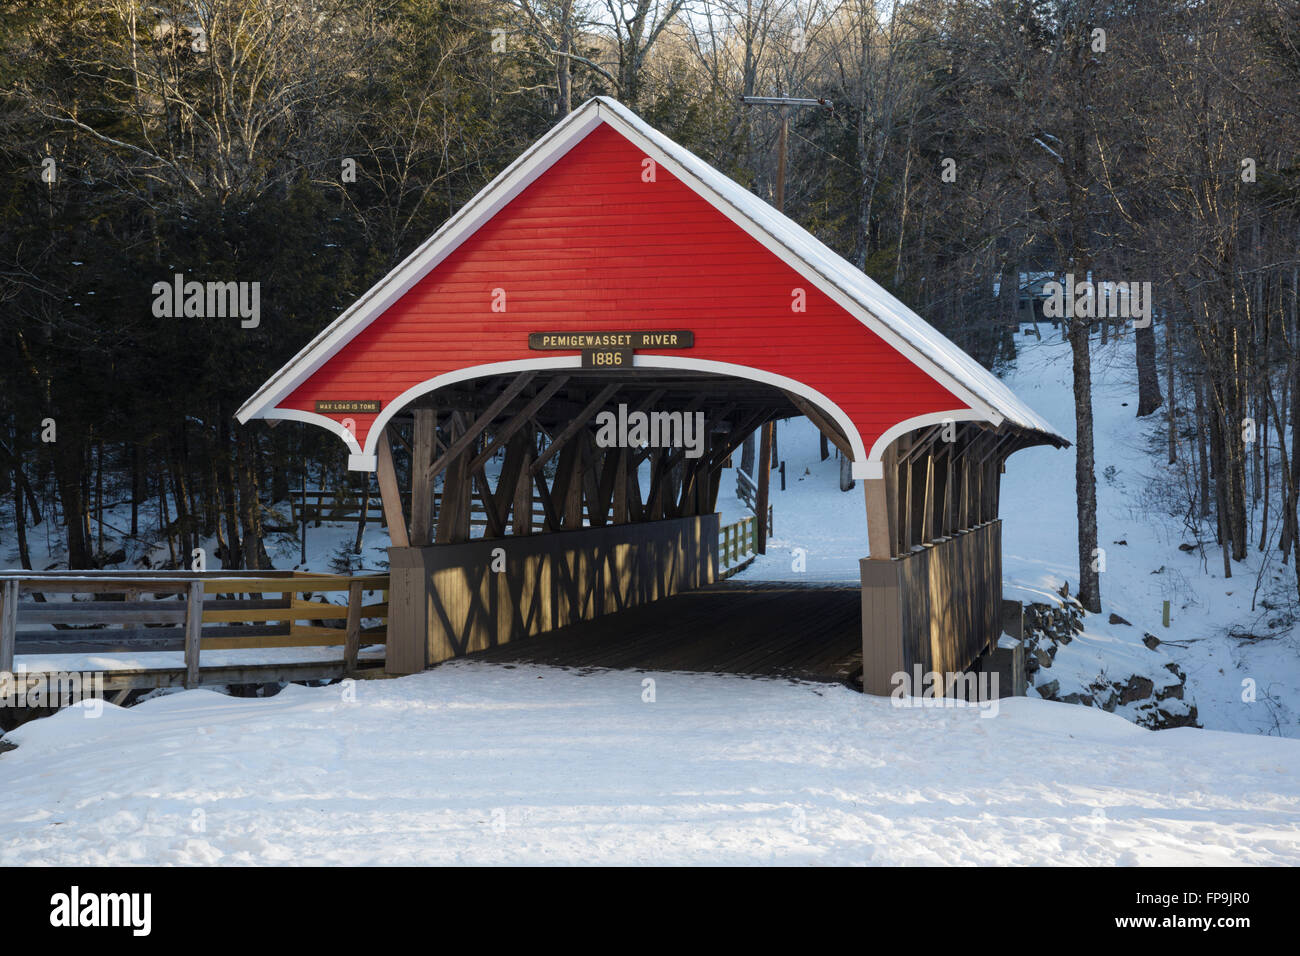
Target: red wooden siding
[[589, 246]]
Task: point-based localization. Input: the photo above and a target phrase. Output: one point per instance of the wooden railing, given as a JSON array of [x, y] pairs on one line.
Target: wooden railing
[[739, 541], [747, 490], [318, 506], [132, 612]]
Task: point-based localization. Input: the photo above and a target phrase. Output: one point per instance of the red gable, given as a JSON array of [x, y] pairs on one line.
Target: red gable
[[595, 229]]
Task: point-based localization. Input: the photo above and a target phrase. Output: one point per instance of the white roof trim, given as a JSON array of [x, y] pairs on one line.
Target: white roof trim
[[365, 461], [854, 291]]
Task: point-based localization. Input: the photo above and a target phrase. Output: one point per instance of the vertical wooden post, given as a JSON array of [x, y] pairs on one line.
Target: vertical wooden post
[[522, 509], [8, 625], [928, 498], [453, 516], [566, 489], [390, 495], [879, 536], [620, 485], [193, 632], [426, 422], [352, 642], [764, 468]]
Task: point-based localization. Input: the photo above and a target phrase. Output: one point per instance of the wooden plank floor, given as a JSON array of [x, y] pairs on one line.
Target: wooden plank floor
[[803, 631]]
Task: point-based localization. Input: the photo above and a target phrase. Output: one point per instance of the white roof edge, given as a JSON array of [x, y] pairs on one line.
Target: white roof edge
[[851, 288]]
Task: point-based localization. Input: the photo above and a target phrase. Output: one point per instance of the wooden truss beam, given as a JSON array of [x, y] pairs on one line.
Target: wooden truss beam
[[390, 495], [470, 434], [824, 425], [571, 429]]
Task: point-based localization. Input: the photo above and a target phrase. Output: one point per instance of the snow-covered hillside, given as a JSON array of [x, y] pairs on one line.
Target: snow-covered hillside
[[1137, 531], [477, 764], [1233, 641]]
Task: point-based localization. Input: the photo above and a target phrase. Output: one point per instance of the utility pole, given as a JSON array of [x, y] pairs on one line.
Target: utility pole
[[784, 105]]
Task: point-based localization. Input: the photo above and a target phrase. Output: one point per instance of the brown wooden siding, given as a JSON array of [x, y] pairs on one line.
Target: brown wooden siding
[[938, 606], [446, 600]]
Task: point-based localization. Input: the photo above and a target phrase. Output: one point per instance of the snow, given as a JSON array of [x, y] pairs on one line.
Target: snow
[[1039, 538], [160, 660], [476, 763], [483, 764], [1138, 504]]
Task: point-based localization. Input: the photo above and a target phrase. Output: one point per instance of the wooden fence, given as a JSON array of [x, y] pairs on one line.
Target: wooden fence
[[747, 489], [133, 612], [738, 543], [318, 506]]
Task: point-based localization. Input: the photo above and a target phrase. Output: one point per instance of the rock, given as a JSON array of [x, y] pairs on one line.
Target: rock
[[1077, 698], [1116, 619], [1174, 713], [1049, 690], [1137, 688], [1172, 692]]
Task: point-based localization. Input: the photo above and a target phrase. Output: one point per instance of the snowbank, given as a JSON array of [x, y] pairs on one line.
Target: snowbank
[[475, 763]]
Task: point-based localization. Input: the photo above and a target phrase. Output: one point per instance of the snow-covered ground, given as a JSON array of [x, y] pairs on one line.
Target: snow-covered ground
[[478, 764], [1139, 534], [1140, 526]]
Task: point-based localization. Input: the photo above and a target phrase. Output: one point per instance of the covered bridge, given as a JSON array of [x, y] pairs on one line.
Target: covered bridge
[[610, 267]]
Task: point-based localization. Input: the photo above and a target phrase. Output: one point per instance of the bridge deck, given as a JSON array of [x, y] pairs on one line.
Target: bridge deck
[[771, 629]]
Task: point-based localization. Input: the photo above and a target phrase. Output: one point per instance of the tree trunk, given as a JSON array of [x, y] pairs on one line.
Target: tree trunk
[[1219, 456], [1148, 380], [135, 490], [20, 514], [1171, 408], [69, 467], [254, 551], [1201, 437], [1085, 480], [846, 474]]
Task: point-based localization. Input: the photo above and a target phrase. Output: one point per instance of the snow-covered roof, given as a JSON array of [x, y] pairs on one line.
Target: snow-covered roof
[[850, 280], [849, 286]]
